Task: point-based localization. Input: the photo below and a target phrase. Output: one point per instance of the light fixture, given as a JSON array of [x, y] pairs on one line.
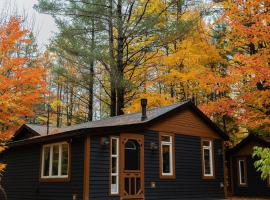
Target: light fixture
[[104, 141], [153, 146]]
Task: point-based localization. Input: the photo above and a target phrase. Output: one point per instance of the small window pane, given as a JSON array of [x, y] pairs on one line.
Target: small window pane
[[114, 146], [64, 161], [114, 165], [166, 158], [132, 155], [207, 167], [165, 138], [114, 184], [55, 160], [46, 165], [242, 172]]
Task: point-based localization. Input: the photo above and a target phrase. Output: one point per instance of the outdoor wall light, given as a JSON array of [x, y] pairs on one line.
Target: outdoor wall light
[[104, 141], [153, 146]]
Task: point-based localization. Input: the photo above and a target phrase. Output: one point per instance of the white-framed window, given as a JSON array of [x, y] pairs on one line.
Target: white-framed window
[[242, 174], [114, 157], [207, 158], [55, 160], [166, 155]]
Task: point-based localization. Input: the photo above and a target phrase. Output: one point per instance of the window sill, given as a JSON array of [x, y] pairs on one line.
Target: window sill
[[54, 180], [208, 177], [242, 185], [169, 177]]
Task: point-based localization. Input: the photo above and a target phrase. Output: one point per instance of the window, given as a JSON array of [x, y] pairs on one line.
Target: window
[[207, 159], [167, 156], [114, 165], [132, 155], [242, 173], [55, 160]]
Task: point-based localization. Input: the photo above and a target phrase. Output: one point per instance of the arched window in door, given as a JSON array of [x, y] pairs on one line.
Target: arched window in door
[[132, 155]]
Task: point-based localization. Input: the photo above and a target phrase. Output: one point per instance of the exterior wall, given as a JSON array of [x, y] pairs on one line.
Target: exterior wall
[[185, 122], [255, 185], [188, 182], [188, 169], [21, 178], [99, 171]]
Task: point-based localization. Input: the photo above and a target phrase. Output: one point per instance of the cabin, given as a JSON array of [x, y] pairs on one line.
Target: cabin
[[171, 152], [244, 179]]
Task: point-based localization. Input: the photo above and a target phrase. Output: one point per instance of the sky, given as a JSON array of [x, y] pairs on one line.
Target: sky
[[43, 25]]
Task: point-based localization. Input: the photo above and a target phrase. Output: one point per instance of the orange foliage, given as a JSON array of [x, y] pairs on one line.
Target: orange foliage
[[22, 78], [248, 40]]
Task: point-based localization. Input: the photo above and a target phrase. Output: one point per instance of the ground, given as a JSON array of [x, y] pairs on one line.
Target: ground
[[246, 198]]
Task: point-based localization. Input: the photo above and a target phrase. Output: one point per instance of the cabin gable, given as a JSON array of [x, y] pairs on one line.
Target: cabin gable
[[247, 149], [24, 133], [186, 122]]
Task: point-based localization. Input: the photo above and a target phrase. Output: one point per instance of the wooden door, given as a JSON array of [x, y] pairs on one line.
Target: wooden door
[[132, 167]]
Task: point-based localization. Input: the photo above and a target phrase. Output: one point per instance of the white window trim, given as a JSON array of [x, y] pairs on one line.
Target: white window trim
[[51, 159], [210, 148], [170, 144], [240, 172], [116, 174]]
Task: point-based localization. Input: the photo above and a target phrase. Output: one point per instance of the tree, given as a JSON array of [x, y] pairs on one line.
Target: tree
[[248, 40], [247, 43], [263, 162], [126, 35], [22, 78]]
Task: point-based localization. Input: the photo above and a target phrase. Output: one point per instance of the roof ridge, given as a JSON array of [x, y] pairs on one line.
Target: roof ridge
[[112, 117]]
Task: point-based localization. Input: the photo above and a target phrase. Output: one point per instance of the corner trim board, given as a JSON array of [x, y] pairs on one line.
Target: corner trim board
[[86, 170]]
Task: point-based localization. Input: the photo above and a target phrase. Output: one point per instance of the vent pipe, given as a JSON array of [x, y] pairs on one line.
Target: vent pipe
[[144, 106]]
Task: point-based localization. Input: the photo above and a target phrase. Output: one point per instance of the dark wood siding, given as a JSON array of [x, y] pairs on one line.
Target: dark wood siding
[[255, 185], [188, 182], [21, 178], [99, 171], [185, 122]]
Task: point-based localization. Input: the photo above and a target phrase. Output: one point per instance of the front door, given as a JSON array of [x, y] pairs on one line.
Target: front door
[[132, 167]]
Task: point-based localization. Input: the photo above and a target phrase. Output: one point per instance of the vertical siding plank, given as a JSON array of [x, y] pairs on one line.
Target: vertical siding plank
[[86, 168]]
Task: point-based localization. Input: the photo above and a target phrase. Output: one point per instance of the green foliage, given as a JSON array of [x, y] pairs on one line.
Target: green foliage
[[263, 163]]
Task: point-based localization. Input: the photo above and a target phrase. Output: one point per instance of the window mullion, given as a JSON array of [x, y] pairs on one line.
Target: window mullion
[[51, 160], [171, 160], [43, 161], [211, 158], [60, 160]]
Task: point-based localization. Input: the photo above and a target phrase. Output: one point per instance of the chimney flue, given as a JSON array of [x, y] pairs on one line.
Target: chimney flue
[[144, 105]]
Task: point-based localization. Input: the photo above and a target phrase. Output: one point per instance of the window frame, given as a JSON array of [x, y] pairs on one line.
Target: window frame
[[239, 174], [170, 175], [117, 174], [51, 178], [212, 164]]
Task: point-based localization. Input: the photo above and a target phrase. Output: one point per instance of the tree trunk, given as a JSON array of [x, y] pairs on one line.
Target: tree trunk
[[120, 63], [91, 78], [112, 64]]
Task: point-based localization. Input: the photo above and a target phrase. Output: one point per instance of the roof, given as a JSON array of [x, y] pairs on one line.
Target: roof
[[263, 140], [129, 120]]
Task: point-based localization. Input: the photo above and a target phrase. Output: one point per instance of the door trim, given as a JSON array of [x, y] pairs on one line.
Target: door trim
[[139, 138]]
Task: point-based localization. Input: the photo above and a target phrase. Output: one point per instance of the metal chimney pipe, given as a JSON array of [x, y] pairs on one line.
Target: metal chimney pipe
[[144, 105]]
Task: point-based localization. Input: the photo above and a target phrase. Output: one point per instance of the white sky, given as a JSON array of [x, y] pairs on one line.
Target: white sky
[[44, 26]]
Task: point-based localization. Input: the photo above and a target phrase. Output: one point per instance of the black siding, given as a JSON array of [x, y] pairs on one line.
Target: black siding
[[99, 171], [256, 186], [188, 183], [21, 178]]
